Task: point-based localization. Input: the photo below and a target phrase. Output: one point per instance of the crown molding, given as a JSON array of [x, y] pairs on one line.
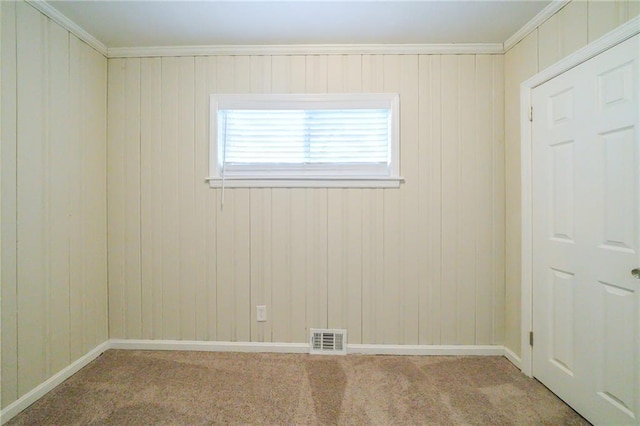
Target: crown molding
[[546, 13], [307, 49], [44, 7]]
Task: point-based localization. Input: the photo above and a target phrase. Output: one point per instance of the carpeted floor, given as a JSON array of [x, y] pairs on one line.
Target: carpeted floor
[[149, 387]]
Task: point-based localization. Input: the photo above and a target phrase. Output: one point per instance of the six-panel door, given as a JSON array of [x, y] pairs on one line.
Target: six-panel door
[[586, 180]]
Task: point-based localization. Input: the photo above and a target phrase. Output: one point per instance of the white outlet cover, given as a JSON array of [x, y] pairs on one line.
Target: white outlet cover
[[261, 313]]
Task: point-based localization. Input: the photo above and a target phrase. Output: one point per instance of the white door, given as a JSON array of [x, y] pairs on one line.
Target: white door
[[586, 235]]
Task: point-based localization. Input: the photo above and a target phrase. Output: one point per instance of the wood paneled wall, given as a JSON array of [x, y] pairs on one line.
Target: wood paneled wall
[[422, 264], [578, 23], [54, 254]]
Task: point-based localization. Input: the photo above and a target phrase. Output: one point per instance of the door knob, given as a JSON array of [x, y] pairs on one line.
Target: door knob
[[636, 273]]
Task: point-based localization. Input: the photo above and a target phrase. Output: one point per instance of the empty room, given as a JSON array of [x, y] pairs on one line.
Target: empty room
[[320, 212]]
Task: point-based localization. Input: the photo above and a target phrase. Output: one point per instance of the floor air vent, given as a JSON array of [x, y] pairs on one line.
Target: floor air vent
[[328, 342]]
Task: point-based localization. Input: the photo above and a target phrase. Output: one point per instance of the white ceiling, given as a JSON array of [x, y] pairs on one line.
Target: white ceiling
[[145, 23]]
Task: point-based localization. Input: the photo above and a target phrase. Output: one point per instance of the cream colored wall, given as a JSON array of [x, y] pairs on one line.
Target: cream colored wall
[[419, 265], [54, 276], [575, 25]]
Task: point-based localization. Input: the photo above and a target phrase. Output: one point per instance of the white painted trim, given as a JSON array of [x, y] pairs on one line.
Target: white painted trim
[[216, 182], [55, 15], [39, 391], [213, 346], [526, 231], [308, 49], [513, 358], [208, 346], [485, 350], [617, 36], [546, 13], [300, 175]]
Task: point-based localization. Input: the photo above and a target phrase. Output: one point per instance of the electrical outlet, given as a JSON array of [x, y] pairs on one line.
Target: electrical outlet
[[261, 313]]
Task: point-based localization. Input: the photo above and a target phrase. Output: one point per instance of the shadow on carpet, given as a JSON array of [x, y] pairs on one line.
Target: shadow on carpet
[[163, 387]]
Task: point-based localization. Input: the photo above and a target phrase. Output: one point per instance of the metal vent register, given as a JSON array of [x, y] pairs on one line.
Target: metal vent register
[[328, 342]]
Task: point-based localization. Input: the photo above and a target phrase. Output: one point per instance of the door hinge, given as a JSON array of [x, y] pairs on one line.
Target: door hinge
[[531, 338], [531, 114]]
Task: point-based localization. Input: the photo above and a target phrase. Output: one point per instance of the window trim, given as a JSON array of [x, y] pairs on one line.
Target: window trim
[[285, 101]]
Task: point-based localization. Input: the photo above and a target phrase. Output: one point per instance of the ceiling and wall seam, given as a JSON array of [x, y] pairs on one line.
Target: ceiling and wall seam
[[292, 49], [534, 23], [52, 13], [307, 49]]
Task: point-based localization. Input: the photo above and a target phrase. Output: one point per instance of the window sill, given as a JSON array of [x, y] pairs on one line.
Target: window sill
[[360, 182]]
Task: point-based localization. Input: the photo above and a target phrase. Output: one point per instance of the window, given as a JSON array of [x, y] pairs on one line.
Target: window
[[324, 140]]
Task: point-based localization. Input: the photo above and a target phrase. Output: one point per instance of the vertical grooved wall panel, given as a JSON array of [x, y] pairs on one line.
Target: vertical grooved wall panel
[[59, 177], [31, 204], [485, 166], [187, 229], [451, 199], [410, 200], [433, 243], [150, 198], [415, 265], [468, 204], [131, 169], [115, 159], [8, 168], [424, 206], [77, 292], [169, 205], [54, 218], [498, 251], [94, 190]]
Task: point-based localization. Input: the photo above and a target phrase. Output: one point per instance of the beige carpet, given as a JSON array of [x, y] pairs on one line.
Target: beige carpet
[[154, 387]]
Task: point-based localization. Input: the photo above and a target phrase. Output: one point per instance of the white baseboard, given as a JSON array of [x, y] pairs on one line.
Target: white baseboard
[[190, 345], [511, 356], [486, 350], [205, 346], [39, 391]]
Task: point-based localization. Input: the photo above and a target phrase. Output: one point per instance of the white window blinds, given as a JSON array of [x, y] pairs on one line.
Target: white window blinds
[[304, 137]]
